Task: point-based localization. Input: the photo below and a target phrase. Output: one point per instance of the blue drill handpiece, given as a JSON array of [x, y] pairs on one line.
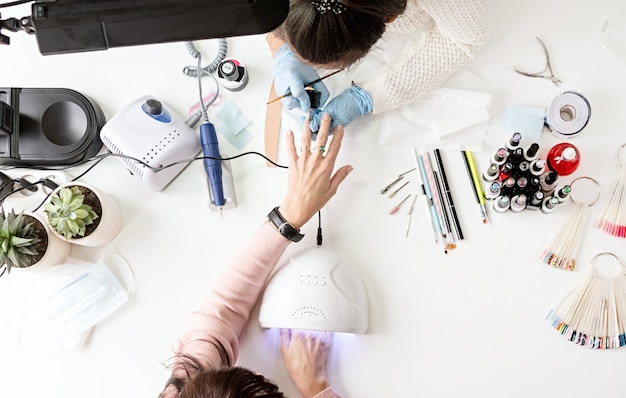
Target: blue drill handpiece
[[213, 167]]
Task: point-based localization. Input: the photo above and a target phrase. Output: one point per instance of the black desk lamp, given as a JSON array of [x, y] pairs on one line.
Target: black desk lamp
[[65, 26]]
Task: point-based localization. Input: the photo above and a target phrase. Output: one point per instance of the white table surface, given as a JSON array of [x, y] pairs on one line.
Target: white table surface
[[469, 323]]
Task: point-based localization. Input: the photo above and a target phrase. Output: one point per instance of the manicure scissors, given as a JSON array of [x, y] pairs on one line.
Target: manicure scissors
[[547, 69]]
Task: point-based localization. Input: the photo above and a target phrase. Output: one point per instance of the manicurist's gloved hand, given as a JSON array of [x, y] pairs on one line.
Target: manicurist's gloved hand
[[291, 75], [344, 108]]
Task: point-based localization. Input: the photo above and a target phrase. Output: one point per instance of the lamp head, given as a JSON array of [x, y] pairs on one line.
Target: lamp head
[[66, 26], [316, 289]]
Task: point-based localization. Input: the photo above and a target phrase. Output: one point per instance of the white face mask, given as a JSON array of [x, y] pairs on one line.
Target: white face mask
[[66, 315]]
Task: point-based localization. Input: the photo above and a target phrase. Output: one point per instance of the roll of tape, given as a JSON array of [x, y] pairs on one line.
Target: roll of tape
[[568, 113]]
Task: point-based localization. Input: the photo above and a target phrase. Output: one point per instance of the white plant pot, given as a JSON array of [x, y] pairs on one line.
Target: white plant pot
[[110, 219], [58, 249]]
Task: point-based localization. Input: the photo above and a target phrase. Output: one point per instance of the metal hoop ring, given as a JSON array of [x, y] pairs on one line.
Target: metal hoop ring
[[619, 154], [593, 260], [595, 200]]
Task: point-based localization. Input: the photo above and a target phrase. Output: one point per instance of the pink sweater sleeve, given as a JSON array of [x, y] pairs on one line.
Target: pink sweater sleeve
[[213, 339]]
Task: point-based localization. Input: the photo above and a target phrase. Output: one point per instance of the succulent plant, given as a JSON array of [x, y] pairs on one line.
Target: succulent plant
[[67, 212], [18, 241]]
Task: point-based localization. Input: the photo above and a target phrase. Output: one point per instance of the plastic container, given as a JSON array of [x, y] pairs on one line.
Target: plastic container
[[48, 126], [233, 74], [563, 158]]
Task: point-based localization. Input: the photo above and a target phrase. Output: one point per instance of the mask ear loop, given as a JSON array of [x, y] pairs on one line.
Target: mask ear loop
[[128, 280], [561, 253], [591, 314], [613, 219]]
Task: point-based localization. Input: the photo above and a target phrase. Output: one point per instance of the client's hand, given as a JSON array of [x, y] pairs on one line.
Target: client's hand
[[305, 354], [311, 182]]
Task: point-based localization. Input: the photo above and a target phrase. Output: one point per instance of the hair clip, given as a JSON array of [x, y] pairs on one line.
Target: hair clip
[[323, 6]]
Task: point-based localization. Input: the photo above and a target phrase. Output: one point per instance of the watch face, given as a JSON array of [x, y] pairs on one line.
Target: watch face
[[285, 229], [288, 230]]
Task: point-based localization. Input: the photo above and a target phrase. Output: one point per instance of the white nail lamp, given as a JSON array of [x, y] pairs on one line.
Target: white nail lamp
[[316, 289]]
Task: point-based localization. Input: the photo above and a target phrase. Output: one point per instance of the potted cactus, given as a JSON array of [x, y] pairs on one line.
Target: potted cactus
[[83, 215], [25, 241]]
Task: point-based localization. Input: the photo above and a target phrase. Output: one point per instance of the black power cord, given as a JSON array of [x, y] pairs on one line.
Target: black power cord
[[7, 183], [319, 228]]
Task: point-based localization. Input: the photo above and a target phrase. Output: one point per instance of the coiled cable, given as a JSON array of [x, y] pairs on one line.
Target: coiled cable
[[192, 71]]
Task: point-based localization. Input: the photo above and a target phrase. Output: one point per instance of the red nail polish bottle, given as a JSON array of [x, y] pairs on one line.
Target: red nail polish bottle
[[563, 158]]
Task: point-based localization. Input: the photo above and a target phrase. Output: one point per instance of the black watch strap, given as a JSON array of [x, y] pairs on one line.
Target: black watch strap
[[283, 226]]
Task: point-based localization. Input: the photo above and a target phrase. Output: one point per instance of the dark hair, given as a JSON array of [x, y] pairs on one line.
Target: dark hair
[[193, 380], [337, 39], [233, 382]]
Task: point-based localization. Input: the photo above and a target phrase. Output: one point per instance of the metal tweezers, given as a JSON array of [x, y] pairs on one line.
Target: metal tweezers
[[547, 69]]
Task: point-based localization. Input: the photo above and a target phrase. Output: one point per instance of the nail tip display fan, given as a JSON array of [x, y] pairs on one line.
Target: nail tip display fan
[[593, 314]]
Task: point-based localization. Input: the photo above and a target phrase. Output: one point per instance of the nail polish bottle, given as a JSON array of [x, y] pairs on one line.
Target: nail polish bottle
[[549, 205], [531, 152], [534, 183], [505, 171], [516, 156], [523, 167], [499, 157], [537, 167], [513, 143], [536, 200], [563, 158], [491, 173], [562, 193], [518, 203], [493, 191], [507, 186], [548, 181], [520, 184], [501, 204]]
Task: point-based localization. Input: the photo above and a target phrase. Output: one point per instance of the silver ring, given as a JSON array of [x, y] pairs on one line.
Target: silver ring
[[593, 202], [619, 154], [594, 268]]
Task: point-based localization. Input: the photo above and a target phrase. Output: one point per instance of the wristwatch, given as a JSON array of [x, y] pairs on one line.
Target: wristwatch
[[287, 230]]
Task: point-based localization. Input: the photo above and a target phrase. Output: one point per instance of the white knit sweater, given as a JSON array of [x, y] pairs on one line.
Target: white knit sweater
[[421, 49]]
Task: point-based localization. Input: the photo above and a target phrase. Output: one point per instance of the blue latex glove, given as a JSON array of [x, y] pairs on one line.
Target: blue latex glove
[[344, 108], [291, 75]]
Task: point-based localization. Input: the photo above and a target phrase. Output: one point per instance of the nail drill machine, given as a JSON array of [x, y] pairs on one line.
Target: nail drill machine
[[148, 130]]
